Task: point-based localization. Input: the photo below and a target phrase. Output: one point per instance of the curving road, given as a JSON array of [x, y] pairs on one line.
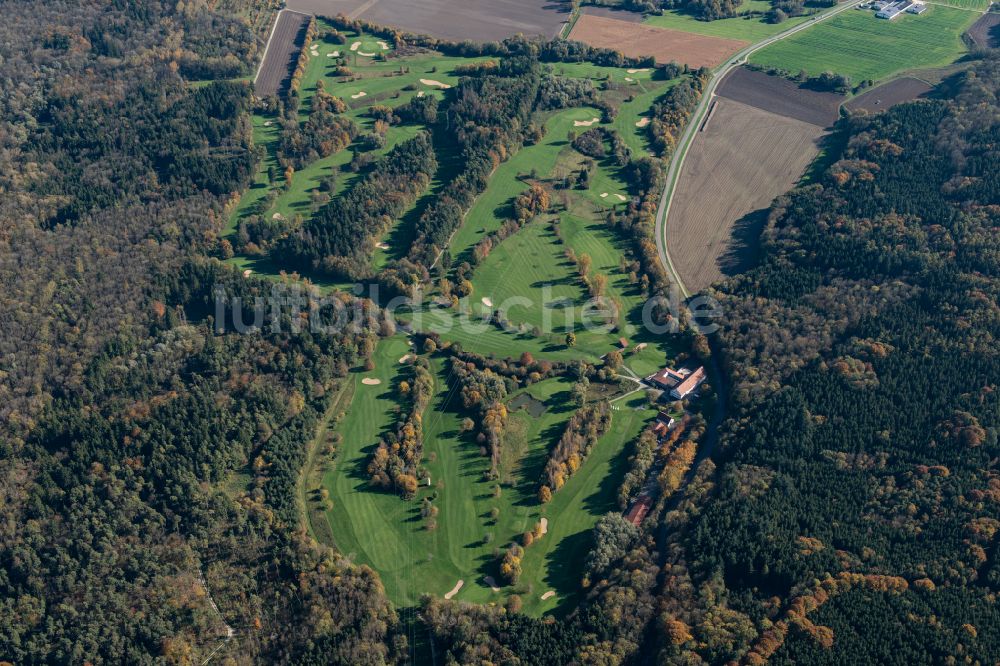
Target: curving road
[[677, 160]]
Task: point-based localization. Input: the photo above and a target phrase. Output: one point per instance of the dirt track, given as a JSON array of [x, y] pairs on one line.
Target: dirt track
[[638, 40], [781, 96], [282, 53], [744, 158], [476, 20], [888, 95]]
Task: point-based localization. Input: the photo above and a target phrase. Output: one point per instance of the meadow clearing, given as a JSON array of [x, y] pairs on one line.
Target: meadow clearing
[[748, 26], [858, 45]]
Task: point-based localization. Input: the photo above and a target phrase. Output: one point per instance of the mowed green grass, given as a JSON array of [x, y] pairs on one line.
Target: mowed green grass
[[857, 44], [746, 28], [508, 180], [387, 533]]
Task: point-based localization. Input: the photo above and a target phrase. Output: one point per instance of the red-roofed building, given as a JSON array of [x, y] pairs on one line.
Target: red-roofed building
[[639, 510], [678, 382]]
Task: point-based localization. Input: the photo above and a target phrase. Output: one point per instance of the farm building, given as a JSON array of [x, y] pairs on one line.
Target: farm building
[[679, 382], [894, 9], [665, 418]]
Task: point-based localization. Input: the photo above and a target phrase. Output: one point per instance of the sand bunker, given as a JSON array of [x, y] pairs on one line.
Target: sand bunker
[[435, 84], [247, 273], [366, 54], [585, 123], [642, 122], [454, 590], [277, 216], [604, 195], [333, 54], [359, 95], [355, 46], [420, 94], [487, 302], [543, 525], [382, 246], [548, 595], [405, 358], [621, 197], [371, 381], [492, 583], [268, 123], [383, 46], [636, 71], [630, 79]]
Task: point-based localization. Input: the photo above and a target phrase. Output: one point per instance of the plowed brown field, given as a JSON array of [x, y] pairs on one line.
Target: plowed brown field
[[638, 40], [740, 161]]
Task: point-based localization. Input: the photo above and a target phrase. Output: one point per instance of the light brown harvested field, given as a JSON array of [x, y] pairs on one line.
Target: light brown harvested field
[[986, 31], [745, 157], [456, 20], [887, 96], [638, 40], [282, 53], [779, 95]]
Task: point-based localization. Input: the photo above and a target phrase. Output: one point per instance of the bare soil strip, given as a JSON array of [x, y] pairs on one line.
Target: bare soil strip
[[638, 40], [889, 95], [781, 96], [984, 32], [744, 158], [282, 53]]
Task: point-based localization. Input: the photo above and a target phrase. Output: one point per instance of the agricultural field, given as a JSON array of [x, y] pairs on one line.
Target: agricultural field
[[986, 31], [665, 45], [781, 96], [884, 97], [381, 530], [738, 163], [750, 26], [456, 20], [856, 44], [282, 53]]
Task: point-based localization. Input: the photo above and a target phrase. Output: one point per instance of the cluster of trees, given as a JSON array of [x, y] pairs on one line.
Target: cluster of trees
[[303, 60], [583, 429], [671, 112], [487, 116], [484, 391], [395, 463], [340, 238], [324, 133]]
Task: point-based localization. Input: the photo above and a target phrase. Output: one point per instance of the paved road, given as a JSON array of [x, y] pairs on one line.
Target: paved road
[[708, 94]]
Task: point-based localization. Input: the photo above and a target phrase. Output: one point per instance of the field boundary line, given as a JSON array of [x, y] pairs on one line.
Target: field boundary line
[[690, 132]]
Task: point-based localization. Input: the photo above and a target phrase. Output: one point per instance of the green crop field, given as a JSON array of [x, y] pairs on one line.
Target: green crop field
[[857, 44], [750, 28], [387, 533], [974, 5]]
